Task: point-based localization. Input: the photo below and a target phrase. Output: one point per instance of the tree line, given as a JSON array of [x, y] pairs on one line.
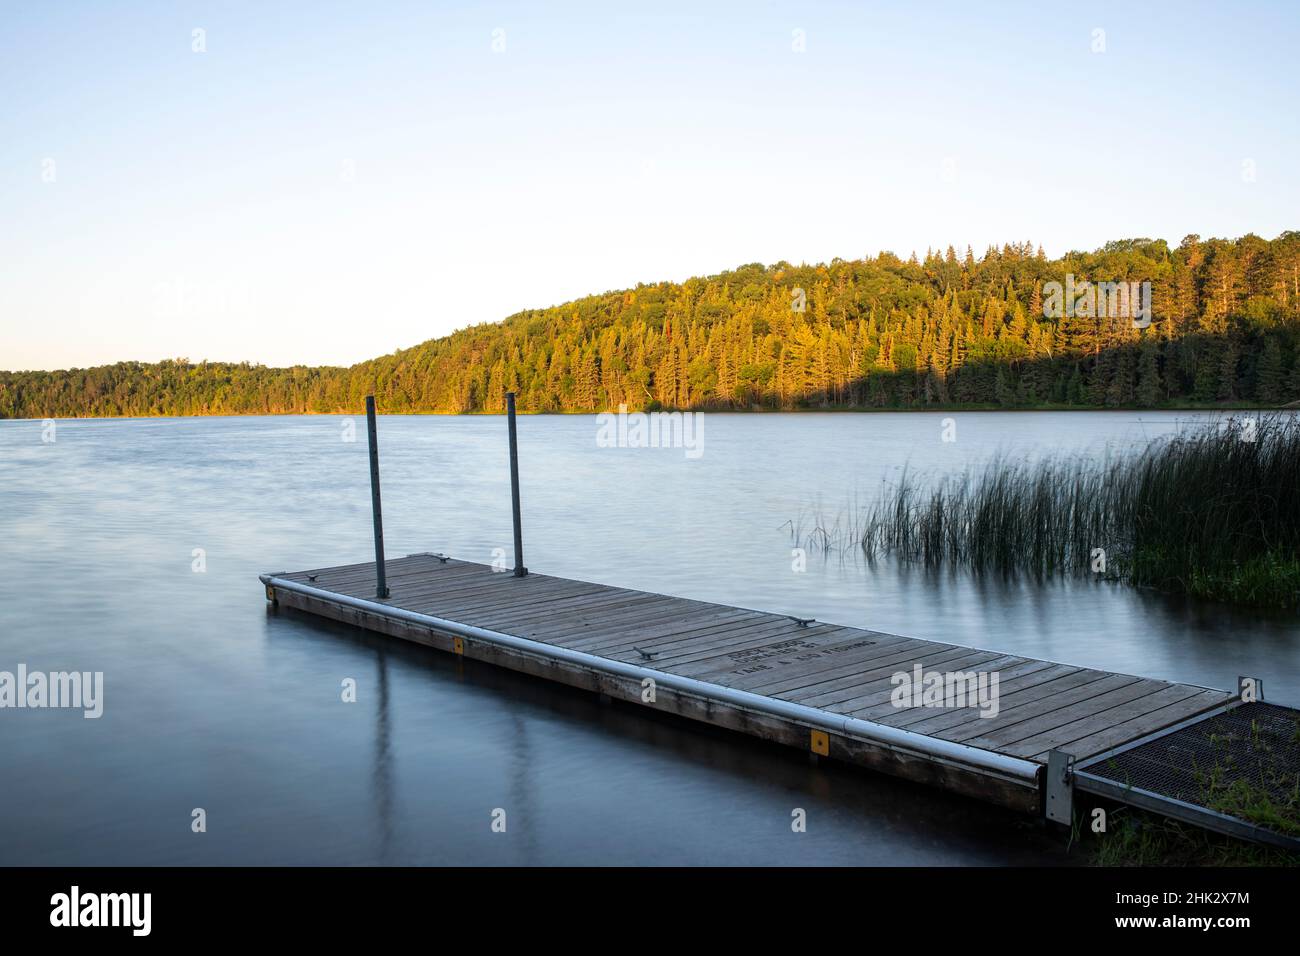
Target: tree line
[[945, 330]]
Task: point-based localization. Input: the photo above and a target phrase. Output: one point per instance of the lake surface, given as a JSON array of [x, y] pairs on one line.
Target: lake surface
[[214, 701]]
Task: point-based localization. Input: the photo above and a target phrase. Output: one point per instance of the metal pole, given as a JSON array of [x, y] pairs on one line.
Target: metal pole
[[520, 570], [381, 581]]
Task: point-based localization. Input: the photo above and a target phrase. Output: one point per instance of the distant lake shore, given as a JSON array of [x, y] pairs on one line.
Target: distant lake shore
[[929, 409]]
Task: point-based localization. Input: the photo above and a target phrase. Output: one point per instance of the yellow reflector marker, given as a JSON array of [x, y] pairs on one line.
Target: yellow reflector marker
[[270, 593], [821, 744], [458, 645]]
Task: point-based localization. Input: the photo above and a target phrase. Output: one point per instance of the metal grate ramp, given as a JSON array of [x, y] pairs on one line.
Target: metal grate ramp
[[1230, 772]]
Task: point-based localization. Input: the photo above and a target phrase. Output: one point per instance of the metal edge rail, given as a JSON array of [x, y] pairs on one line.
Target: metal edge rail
[[1021, 771]]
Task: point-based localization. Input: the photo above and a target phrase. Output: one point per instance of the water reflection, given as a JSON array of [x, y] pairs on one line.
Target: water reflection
[[383, 759], [524, 806]]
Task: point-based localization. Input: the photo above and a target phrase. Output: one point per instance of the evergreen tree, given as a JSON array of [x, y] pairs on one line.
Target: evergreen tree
[[1269, 384], [1148, 383]]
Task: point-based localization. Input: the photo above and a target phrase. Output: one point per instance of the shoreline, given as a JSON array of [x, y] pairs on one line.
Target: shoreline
[[849, 410]]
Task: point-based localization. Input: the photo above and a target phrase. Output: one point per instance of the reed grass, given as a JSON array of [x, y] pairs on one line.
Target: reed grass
[[1213, 511]]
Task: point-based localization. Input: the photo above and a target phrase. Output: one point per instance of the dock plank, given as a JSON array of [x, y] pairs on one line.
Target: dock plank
[[1028, 683], [1113, 734], [1101, 695], [1056, 694], [876, 702], [724, 651]]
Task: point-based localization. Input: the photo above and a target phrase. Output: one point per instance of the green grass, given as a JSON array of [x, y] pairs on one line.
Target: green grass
[[1137, 838], [1269, 579], [1272, 800]]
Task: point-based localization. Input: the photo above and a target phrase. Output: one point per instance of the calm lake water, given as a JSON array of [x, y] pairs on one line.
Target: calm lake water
[[214, 701]]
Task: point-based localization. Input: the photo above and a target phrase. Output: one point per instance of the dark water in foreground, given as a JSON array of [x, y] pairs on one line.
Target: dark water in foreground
[[212, 701]]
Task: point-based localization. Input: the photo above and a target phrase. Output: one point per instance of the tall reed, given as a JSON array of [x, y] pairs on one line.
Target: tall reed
[[1212, 511]]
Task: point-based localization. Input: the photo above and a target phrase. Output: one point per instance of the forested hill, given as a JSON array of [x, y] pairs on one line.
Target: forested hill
[[951, 329]]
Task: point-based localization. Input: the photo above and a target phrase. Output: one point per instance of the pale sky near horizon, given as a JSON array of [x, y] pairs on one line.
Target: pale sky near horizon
[[328, 182]]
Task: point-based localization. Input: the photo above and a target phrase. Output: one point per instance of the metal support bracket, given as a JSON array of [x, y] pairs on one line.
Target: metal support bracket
[[1059, 804]]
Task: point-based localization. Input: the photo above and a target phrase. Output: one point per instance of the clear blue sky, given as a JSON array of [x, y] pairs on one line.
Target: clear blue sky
[[332, 181]]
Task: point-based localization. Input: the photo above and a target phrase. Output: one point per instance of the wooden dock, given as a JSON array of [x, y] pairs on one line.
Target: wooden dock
[[818, 686]]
